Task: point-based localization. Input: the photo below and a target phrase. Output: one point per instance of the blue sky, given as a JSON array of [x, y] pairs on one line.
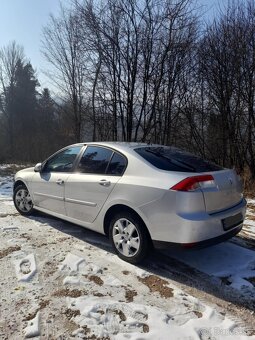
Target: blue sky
[[22, 21]]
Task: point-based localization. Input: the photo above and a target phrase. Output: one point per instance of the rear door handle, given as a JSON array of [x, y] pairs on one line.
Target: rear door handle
[[60, 181], [104, 183]]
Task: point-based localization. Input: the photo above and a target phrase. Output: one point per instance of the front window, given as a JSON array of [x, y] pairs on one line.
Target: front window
[[62, 161]]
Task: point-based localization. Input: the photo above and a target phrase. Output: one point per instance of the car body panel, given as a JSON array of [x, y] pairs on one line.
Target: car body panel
[[186, 227], [49, 192], [228, 191], [85, 194], [25, 176]]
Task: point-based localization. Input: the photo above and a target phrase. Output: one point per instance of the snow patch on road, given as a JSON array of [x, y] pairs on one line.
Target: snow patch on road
[[25, 268], [251, 201], [226, 261], [128, 266], [33, 328], [6, 185], [104, 317], [79, 269], [72, 263]]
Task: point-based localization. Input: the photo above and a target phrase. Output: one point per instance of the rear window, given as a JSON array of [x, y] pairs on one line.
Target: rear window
[[173, 159], [95, 160], [117, 165]]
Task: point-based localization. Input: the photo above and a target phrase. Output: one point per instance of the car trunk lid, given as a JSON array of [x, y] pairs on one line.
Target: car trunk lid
[[226, 193]]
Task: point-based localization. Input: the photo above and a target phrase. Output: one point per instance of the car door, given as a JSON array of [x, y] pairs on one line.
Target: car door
[[48, 186], [87, 189]]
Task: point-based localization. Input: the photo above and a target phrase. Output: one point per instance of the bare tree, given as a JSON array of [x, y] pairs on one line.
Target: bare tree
[[227, 57], [143, 50], [62, 48]]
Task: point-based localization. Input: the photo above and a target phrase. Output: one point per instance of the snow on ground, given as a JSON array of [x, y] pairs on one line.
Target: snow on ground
[[234, 265], [249, 225], [60, 281], [6, 184], [12, 167]]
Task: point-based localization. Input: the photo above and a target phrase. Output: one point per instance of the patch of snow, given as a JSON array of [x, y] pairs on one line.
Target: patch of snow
[[104, 317], [225, 260], [110, 280], [72, 263], [239, 283], [100, 240], [9, 203], [33, 328], [73, 280], [10, 228], [91, 268], [11, 165], [249, 222], [75, 265], [6, 185], [128, 266], [25, 268]]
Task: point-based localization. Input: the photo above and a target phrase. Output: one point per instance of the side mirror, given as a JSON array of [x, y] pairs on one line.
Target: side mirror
[[38, 167]]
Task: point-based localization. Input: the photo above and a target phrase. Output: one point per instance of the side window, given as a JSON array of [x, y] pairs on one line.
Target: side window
[[95, 160], [117, 165], [63, 161]]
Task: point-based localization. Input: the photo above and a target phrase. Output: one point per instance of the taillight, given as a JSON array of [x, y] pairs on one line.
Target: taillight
[[194, 182]]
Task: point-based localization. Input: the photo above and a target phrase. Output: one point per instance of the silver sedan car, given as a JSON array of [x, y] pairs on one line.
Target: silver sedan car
[[140, 195]]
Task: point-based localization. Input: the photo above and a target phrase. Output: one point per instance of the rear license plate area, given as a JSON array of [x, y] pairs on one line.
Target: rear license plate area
[[232, 221]]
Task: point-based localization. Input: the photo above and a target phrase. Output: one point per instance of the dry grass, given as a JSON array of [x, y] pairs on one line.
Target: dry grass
[[198, 314], [70, 313], [96, 279], [130, 294], [71, 293], [8, 251], [248, 183], [42, 305], [156, 284], [250, 217]]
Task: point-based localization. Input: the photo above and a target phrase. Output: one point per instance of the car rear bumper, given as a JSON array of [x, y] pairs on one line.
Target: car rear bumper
[[200, 244], [194, 228]]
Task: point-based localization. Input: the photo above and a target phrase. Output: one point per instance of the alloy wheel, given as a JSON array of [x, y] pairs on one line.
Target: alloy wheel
[[126, 237], [23, 200]]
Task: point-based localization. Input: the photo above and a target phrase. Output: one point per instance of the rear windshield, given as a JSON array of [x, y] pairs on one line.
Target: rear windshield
[[173, 159]]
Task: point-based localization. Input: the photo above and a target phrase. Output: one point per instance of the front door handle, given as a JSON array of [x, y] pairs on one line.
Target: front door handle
[[104, 183], [60, 181]]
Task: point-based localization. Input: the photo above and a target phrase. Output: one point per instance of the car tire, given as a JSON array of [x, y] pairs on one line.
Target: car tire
[[22, 200], [129, 237]]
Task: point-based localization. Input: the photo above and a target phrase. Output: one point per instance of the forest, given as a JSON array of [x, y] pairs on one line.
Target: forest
[[136, 70]]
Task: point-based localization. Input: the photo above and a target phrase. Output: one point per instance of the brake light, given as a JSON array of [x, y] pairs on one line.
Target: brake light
[[195, 182]]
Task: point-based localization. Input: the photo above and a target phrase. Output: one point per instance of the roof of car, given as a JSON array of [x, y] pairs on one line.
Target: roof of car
[[119, 145]]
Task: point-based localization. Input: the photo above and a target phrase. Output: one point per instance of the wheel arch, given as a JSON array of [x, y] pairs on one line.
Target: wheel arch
[[17, 183], [117, 208]]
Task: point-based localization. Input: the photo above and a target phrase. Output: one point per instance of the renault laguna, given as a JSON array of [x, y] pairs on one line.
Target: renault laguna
[[140, 195]]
